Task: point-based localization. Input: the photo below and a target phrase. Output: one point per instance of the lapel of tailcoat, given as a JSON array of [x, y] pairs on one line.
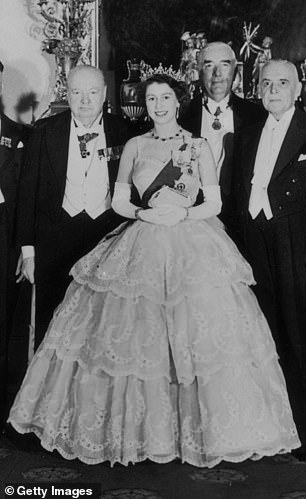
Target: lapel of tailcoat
[[57, 144], [114, 138], [293, 141], [238, 114], [248, 153], [11, 131]]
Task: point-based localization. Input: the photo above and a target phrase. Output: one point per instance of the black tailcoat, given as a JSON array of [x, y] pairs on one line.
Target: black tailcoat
[[11, 153], [276, 248], [12, 140], [245, 113], [59, 240]]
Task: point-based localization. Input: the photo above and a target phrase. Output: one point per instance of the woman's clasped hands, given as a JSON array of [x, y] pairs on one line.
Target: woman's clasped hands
[[164, 215]]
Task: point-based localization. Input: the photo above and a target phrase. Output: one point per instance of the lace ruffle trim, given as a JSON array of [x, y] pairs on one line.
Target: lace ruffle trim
[[253, 454]]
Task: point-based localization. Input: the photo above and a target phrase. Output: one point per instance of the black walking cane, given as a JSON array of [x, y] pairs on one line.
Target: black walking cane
[[32, 327]]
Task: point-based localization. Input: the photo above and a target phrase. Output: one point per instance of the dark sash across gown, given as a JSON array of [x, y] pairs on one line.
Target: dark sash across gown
[[159, 349]]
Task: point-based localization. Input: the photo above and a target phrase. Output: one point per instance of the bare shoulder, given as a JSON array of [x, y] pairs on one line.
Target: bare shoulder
[[139, 141], [132, 144]]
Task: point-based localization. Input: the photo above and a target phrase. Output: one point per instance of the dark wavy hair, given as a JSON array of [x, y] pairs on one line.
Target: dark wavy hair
[[179, 88]]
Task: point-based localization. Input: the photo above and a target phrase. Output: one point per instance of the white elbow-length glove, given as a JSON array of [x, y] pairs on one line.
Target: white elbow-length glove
[[121, 200], [210, 207]]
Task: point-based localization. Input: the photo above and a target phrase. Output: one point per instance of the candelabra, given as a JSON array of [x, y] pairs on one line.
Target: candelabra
[[68, 32]]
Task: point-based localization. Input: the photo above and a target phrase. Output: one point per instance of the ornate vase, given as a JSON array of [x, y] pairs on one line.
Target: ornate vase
[[130, 99]]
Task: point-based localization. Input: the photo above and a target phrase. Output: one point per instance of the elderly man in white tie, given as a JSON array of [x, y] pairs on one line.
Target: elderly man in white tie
[[270, 194], [218, 113], [64, 207]]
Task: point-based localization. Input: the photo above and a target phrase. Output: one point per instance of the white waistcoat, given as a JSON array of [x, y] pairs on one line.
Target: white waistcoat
[[87, 181]]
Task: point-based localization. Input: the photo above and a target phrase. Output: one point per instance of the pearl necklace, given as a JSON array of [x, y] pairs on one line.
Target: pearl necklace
[[164, 139]]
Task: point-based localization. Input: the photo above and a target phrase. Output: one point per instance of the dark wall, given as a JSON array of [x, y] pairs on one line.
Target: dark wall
[[151, 29]]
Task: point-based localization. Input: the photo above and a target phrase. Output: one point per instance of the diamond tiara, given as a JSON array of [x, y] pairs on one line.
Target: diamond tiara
[[146, 71]]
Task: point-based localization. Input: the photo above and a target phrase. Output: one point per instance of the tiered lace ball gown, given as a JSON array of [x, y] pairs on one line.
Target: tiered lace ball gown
[[159, 350]]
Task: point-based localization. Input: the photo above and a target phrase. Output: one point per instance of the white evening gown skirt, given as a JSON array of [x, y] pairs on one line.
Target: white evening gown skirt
[[159, 350]]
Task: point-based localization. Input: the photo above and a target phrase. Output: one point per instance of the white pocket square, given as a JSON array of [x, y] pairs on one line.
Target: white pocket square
[[20, 145], [302, 157]]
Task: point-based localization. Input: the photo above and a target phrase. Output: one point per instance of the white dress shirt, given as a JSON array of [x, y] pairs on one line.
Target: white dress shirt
[[215, 137], [87, 181], [270, 143]]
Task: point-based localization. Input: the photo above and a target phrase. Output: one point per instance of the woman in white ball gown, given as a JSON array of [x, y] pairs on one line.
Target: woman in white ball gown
[[159, 349]]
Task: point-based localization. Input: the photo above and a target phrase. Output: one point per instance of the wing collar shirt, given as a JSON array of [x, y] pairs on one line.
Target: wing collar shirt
[[215, 137], [87, 182], [270, 143]]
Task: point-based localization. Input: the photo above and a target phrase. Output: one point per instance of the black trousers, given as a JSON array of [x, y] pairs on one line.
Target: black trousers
[[276, 250], [4, 297], [59, 246], [10, 293]]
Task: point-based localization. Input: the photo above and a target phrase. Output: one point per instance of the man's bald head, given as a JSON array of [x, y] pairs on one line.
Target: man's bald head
[[85, 70]]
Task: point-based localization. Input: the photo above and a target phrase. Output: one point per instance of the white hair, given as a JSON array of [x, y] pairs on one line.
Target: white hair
[[290, 64], [217, 45]]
